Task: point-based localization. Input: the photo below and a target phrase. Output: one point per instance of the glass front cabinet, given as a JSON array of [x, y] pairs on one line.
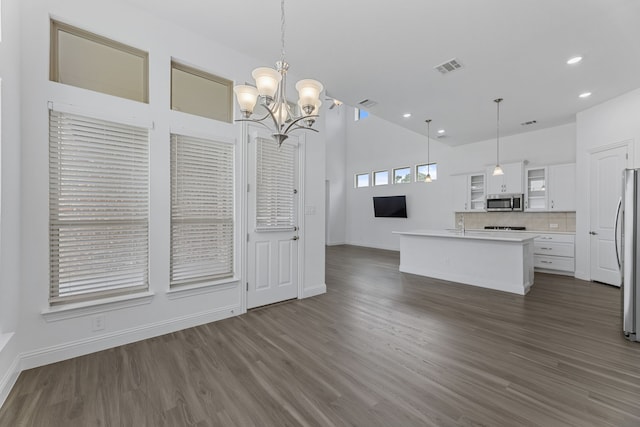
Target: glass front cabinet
[[536, 196]]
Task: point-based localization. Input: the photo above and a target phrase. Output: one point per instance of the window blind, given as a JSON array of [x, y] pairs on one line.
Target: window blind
[[275, 193], [202, 210], [98, 207]]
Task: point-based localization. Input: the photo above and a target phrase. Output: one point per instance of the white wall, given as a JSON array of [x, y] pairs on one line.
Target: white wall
[[336, 120], [375, 144], [41, 339], [10, 193], [612, 122]]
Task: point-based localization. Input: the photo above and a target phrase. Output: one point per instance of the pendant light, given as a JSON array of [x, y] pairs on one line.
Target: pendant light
[[497, 170], [428, 177]]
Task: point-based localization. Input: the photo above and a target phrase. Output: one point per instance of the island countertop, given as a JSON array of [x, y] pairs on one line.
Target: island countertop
[[500, 260], [504, 236]]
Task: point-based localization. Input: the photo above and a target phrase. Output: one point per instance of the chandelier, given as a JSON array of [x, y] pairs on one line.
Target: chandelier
[[269, 91]]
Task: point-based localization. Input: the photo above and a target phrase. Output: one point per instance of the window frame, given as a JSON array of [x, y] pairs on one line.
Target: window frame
[[407, 175], [228, 84], [54, 57], [227, 217], [434, 176], [356, 182], [375, 173], [101, 224]]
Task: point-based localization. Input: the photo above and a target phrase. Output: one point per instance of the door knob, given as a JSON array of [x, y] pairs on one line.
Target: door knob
[[593, 233], [295, 238]]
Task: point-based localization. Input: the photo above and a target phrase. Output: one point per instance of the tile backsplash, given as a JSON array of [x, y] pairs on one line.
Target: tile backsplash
[[534, 221]]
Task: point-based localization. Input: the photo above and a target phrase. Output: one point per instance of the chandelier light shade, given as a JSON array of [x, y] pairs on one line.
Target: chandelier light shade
[[269, 92], [498, 170], [428, 177]]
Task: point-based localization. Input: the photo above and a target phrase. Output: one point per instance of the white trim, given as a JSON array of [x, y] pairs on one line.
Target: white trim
[[301, 220], [8, 380], [100, 114], [627, 142], [201, 134], [70, 311], [314, 291], [59, 352], [202, 288]]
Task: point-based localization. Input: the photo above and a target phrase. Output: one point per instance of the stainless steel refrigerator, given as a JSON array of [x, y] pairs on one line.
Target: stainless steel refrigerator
[[628, 218]]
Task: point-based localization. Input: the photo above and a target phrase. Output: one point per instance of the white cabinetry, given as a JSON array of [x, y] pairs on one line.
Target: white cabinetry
[[550, 188], [535, 198], [554, 253], [510, 182], [469, 192], [562, 187]]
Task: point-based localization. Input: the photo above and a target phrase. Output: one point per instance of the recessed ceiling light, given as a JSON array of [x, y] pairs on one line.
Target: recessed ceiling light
[[441, 131], [585, 95], [406, 115], [574, 60]]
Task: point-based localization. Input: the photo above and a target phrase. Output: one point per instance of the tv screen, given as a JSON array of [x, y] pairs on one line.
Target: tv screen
[[390, 207]]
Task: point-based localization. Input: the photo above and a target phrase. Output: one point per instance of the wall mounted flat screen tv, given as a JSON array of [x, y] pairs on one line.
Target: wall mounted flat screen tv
[[390, 207]]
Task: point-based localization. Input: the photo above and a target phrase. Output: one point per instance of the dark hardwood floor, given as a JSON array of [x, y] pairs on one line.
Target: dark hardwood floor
[[380, 348]]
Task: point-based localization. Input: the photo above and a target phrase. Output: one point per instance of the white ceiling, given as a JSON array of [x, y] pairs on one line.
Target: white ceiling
[[386, 51]]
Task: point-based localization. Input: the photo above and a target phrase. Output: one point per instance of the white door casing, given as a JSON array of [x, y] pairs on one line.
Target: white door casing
[[272, 220], [606, 168]]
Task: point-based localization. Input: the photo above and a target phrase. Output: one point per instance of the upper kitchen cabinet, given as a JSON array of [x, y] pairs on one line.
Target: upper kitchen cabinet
[[535, 198], [562, 187], [469, 192], [550, 188], [510, 182]]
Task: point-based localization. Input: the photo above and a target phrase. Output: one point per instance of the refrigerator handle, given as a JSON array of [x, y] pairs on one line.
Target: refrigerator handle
[[615, 232]]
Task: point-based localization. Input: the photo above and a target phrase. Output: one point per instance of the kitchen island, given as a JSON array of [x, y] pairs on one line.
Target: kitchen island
[[498, 260]]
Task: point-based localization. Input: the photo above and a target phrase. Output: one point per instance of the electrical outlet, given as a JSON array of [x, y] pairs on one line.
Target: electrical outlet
[[97, 323], [553, 225]]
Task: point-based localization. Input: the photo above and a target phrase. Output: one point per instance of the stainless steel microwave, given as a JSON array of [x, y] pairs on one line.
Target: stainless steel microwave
[[504, 202]]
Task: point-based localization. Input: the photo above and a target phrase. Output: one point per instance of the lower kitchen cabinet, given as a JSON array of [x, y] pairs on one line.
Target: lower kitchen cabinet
[[554, 253]]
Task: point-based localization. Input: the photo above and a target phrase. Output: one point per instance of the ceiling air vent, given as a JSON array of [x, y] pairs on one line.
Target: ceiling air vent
[[529, 123], [367, 103], [449, 66]]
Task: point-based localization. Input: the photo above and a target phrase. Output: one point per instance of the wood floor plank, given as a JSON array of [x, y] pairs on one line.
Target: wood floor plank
[[380, 348]]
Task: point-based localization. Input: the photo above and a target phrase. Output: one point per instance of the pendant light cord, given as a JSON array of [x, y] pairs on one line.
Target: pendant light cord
[[497, 101], [282, 28]]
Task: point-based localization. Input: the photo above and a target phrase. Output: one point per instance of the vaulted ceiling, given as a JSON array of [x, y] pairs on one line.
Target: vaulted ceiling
[[386, 52]]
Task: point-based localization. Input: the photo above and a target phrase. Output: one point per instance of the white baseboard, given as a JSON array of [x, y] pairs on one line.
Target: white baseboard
[[316, 290], [386, 248], [57, 353], [336, 243], [10, 376]]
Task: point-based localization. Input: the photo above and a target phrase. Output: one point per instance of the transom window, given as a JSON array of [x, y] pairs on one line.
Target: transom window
[[402, 175], [361, 180]]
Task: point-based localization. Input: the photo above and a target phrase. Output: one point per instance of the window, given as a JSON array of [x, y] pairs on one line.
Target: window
[[402, 175], [202, 207], [200, 93], [362, 180], [98, 207], [83, 59], [275, 192], [360, 114], [381, 178], [421, 171]]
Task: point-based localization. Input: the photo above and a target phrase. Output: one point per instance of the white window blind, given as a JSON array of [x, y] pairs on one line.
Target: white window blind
[[202, 210], [98, 207], [275, 193]]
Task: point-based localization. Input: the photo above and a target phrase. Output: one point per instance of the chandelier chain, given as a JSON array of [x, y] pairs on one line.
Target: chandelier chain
[[282, 28]]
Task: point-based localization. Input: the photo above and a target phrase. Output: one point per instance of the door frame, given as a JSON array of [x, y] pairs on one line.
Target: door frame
[[628, 143], [250, 131]]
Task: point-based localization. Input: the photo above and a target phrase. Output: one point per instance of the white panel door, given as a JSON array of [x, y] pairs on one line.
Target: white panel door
[[272, 259], [606, 189]]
